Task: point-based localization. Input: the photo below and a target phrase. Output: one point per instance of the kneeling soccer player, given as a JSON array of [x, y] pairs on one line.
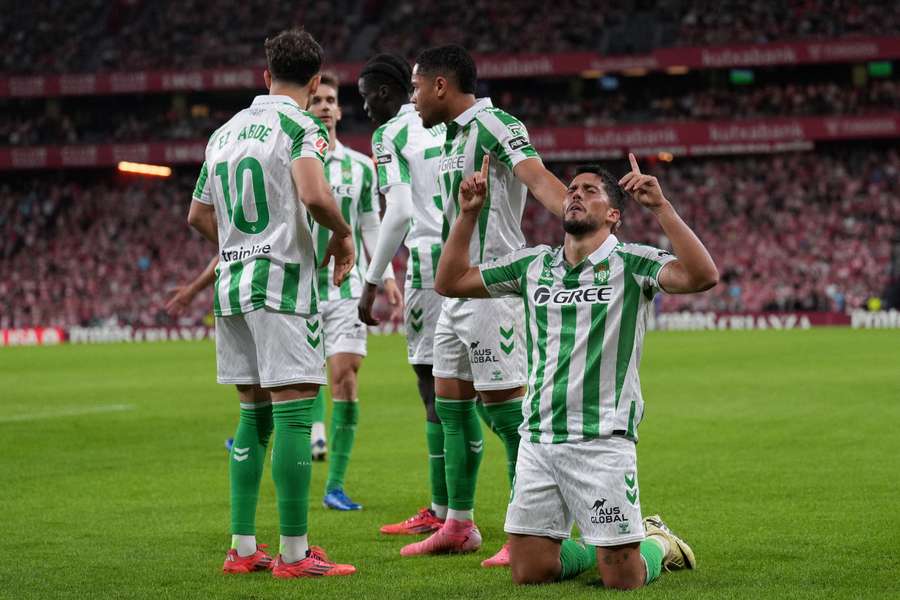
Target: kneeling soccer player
[[586, 305]]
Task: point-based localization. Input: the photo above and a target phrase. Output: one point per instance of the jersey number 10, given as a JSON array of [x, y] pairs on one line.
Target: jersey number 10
[[236, 210]]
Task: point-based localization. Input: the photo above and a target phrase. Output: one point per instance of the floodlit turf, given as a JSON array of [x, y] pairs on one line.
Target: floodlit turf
[[776, 454]]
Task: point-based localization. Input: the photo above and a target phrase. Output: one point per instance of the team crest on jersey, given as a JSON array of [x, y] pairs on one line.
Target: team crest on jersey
[[601, 273]]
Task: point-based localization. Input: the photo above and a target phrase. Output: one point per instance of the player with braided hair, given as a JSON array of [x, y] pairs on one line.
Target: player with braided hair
[[406, 156]]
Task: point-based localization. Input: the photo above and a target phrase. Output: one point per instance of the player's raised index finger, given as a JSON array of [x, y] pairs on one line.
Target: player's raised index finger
[[485, 165], [634, 166]]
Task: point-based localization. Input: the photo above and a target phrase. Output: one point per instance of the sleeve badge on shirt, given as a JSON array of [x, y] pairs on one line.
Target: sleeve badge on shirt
[[321, 145]]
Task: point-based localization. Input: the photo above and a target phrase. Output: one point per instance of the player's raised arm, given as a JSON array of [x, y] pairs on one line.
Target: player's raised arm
[[694, 271], [543, 185], [456, 277], [313, 191]]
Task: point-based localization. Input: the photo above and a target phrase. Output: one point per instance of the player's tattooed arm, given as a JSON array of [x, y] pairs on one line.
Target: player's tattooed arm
[[456, 277], [694, 271], [543, 185]]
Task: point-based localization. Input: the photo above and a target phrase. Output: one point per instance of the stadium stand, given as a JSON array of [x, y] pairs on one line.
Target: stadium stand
[[800, 231], [99, 36], [194, 117], [811, 229]]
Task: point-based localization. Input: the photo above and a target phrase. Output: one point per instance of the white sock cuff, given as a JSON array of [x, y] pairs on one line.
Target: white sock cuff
[[344, 400], [255, 405]]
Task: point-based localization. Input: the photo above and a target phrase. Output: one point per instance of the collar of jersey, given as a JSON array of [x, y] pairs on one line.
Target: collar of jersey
[[408, 107], [595, 257], [273, 99], [337, 153], [473, 110]]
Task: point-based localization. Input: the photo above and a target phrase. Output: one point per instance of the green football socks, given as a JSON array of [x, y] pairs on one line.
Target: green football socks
[[463, 447], [291, 464], [575, 559], [344, 417], [653, 554], [318, 410], [434, 435], [505, 420], [245, 465]]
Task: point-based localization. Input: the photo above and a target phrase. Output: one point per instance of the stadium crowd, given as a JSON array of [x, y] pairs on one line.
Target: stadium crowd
[[805, 231], [106, 120], [56, 36]]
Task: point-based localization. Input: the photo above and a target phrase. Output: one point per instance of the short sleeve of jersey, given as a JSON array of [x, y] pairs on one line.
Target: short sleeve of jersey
[[201, 190], [506, 137], [503, 276], [368, 194], [308, 136], [645, 264], [388, 143]]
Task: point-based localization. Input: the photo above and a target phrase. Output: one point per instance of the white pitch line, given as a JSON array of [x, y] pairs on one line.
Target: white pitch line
[[70, 412]]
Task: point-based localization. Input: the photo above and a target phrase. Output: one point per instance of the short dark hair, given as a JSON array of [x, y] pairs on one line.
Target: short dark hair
[[388, 69], [293, 56], [330, 78], [451, 61], [616, 194]]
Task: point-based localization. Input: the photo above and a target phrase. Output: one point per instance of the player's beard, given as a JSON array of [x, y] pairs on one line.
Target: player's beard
[[580, 227]]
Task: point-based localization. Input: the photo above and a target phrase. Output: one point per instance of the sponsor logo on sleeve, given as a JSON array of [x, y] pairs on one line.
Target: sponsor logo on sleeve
[[321, 145], [518, 142]]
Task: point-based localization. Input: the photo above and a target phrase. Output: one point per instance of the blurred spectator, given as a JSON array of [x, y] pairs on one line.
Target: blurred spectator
[[806, 231], [55, 36], [105, 120]]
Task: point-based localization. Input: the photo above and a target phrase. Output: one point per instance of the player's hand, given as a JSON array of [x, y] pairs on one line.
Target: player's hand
[[473, 189], [341, 248], [394, 298], [643, 188], [366, 301], [180, 299]]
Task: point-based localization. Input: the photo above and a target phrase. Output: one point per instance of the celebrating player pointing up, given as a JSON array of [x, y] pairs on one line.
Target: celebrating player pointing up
[[586, 306]]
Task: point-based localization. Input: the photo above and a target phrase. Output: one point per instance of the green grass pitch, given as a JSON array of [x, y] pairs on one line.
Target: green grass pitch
[[776, 454]]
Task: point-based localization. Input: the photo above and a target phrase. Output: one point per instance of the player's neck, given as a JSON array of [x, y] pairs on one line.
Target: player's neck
[[332, 139], [297, 94], [577, 248], [459, 105]]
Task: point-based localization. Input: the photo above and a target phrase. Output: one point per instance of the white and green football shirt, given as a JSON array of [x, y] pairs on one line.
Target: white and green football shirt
[[266, 252], [584, 331], [480, 130], [351, 175], [407, 154]]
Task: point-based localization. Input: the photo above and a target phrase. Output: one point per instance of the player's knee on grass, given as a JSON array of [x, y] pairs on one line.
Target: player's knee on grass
[[533, 559], [621, 567]]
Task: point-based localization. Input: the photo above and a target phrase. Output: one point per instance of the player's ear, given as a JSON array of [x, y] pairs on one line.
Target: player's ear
[[313, 84], [614, 218], [267, 78], [440, 86]]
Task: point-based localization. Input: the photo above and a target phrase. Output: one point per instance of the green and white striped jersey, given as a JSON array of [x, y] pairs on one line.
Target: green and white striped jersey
[[407, 154], [352, 178], [266, 253], [480, 130], [584, 328]]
